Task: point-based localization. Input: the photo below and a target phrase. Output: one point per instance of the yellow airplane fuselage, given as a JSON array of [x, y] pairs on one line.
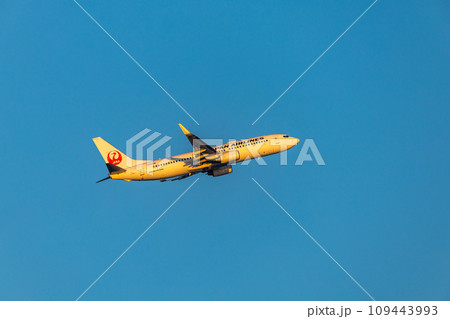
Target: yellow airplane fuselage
[[191, 163]]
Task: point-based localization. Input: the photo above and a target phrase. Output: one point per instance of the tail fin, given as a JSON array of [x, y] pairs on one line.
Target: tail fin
[[112, 155]]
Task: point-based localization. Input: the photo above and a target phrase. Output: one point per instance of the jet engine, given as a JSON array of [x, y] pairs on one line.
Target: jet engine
[[221, 171]]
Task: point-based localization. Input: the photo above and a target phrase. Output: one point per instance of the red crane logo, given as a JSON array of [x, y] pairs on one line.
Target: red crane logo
[[114, 157]]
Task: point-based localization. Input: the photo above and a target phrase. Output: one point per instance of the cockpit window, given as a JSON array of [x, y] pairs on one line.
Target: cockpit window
[[285, 135]]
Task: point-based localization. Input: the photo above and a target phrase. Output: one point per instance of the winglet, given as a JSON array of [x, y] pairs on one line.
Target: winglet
[[185, 131], [191, 137]]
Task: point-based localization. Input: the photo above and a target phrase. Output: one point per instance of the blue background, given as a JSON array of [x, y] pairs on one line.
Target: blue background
[[376, 105]]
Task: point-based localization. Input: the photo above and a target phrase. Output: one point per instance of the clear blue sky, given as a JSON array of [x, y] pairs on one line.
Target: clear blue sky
[[377, 106]]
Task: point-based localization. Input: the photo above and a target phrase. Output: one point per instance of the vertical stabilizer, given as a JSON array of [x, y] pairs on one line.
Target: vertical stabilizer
[[112, 155]]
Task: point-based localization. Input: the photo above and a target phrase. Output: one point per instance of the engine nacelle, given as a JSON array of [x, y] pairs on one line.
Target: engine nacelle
[[221, 171], [225, 157]]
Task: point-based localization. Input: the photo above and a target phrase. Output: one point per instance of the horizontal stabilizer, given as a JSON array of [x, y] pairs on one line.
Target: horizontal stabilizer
[[103, 179]]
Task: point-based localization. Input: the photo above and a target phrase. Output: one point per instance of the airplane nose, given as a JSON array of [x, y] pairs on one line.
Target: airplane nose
[[293, 141]]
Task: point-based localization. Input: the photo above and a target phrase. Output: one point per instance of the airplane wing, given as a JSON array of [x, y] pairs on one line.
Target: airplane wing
[[178, 178], [204, 148]]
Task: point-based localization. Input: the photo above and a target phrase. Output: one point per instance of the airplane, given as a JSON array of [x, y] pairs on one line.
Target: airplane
[[214, 161]]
